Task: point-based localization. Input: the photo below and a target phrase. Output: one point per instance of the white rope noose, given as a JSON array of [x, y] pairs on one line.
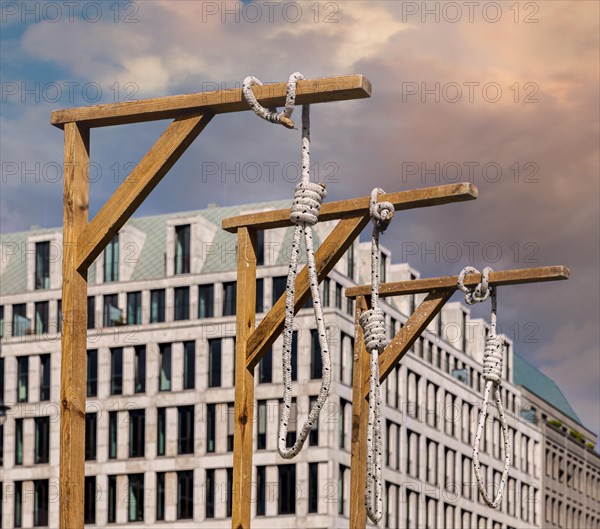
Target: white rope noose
[[372, 322], [492, 374], [304, 214]]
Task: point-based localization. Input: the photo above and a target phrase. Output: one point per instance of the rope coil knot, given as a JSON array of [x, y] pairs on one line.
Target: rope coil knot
[[306, 206], [372, 322], [381, 212], [482, 291], [492, 359]]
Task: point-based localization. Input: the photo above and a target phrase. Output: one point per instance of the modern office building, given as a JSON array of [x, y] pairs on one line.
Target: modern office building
[[159, 422]]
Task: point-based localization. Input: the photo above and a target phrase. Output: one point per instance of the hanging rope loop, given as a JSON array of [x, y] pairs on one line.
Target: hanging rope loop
[[372, 322], [492, 374], [307, 203], [304, 213], [271, 114]]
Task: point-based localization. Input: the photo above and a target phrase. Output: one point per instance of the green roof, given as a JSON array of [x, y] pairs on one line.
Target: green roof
[[531, 378]]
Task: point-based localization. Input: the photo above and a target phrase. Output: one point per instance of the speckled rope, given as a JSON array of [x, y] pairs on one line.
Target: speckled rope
[[372, 322], [305, 214], [492, 374]]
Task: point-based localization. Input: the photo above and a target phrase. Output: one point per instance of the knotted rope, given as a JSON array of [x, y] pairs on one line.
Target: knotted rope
[[304, 214], [492, 374], [372, 322]]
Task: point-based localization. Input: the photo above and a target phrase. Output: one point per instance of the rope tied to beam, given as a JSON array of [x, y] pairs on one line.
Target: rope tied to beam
[[372, 322], [492, 374], [304, 213]]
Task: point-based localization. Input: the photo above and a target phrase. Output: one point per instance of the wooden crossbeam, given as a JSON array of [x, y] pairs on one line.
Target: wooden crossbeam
[[439, 290], [500, 278], [146, 175], [414, 198], [309, 91]]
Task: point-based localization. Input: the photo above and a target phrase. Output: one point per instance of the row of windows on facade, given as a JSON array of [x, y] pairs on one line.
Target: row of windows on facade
[[165, 362], [212, 492], [113, 315], [561, 513], [181, 258], [572, 471]]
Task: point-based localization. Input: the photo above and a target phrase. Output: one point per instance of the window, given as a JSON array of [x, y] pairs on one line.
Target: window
[[140, 369], [350, 261], [294, 355], [161, 431], [1, 321], [165, 367], [313, 487], [189, 365], [383, 268], [112, 434], [91, 312], [59, 316], [342, 490], [260, 247], [228, 492], [214, 363], [157, 306], [41, 317], [116, 371], [211, 427], [90, 436], [210, 493], [185, 443], [206, 301], [137, 432], [261, 440], [287, 489], [265, 368], [92, 373], [21, 323], [279, 284], [412, 454], [134, 308], [229, 298], [230, 425], [160, 496], [260, 295], [18, 510], [42, 440], [89, 502], [350, 306], [182, 304], [40, 513], [316, 363], [326, 292], [111, 260], [182, 249], [42, 265], [261, 490], [136, 497], [313, 436], [22, 378], [338, 296], [112, 312], [185, 495], [112, 499], [44, 377]]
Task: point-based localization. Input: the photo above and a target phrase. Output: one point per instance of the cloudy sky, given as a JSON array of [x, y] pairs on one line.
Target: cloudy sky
[[502, 94]]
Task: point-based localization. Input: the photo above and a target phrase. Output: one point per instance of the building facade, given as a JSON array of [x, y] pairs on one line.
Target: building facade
[[159, 421]]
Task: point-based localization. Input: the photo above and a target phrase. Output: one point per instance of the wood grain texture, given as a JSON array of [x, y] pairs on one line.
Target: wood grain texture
[[74, 331], [244, 381], [499, 278], [309, 91], [146, 175], [360, 416], [414, 198], [326, 257]]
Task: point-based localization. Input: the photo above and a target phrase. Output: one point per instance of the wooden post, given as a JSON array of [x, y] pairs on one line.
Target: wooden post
[[244, 381], [74, 308], [360, 411]]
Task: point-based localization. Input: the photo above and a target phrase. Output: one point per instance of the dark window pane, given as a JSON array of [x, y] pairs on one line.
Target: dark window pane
[[22, 378], [40, 513], [260, 247], [112, 499], [210, 493], [287, 489], [116, 368], [92, 373], [18, 441], [182, 249], [279, 283], [111, 260], [316, 363], [211, 427], [134, 308], [140, 369], [157, 306], [295, 355], [206, 301], [42, 265], [137, 433], [160, 495], [182, 304], [185, 495], [313, 487], [229, 298], [21, 324], [189, 365], [136, 498], [91, 312], [41, 317], [165, 367], [228, 492], [265, 368], [18, 510], [260, 295], [161, 427], [89, 505], [313, 436], [44, 377], [261, 441], [112, 434], [90, 436], [261, 490], [185, 443], [112, 313], [42, 440], [214, 363]]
